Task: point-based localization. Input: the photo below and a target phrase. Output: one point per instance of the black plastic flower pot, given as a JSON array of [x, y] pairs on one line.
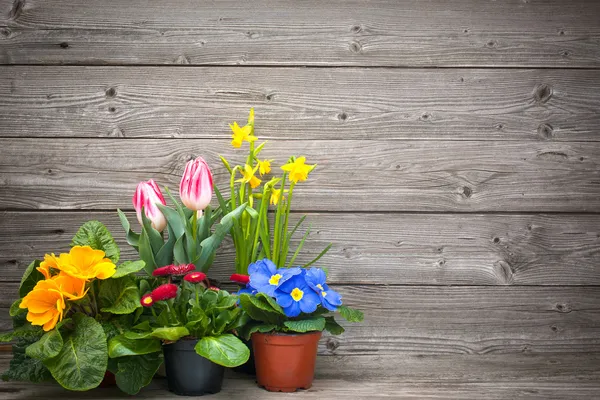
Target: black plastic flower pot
[[248, 367], [189, 374]]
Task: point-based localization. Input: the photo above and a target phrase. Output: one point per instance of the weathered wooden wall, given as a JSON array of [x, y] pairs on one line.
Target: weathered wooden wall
[[458, 145]]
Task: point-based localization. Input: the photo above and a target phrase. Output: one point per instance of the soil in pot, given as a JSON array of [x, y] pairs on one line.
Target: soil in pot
[[285, 362], [189, 374]]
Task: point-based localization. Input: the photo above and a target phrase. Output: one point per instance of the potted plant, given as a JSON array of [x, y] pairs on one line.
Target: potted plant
[[193, 321], [289, 308], [70, 305], [252, 182]]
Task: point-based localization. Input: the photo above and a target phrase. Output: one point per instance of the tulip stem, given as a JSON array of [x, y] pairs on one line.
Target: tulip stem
[[195, 225]]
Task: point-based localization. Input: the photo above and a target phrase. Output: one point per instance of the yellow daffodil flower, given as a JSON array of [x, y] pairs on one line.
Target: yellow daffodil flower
[[241, 134], [45, 304], [264, 167], [298, 169], [83, 262], [275, 196], [251, 117], [248, 176]]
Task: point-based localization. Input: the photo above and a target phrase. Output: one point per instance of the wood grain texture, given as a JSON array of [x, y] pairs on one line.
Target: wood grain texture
[[408, 249], [475, 320], [306, 103], [386, 32], [352, 175]]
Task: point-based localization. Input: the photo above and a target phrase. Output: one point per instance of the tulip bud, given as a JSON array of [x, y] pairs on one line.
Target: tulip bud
[[196, 185], [148, 195]]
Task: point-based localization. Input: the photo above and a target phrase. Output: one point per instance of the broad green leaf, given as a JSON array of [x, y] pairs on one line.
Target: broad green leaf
[[135, 372], [81, 363], [48, 346], [120, 346], [154, 237], [31, 276], [198, 321], [119, 296], [351, 314], [24, 368], [252, 327], [306, 325], [15, 309], [173, 333], [128, 267], [165, 254], [26, 331], [133, 239], [174, 220], [146, 254], [179, 254], [271, 301], [98, 237], [333, 327], [259, 310], [226, 350], [210, 244]]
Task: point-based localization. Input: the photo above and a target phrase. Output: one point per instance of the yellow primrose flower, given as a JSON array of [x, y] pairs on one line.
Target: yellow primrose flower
[[72, 288], [298, 169], [248, 176], [240, 134], [45, 304], [50, 263], [83, 262], [275, 195], [264, 167]]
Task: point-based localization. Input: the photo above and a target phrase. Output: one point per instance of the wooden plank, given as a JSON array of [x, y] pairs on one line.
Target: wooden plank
[[352, 175], [384, 32], [307, 103], [472, 320], [410, 249]]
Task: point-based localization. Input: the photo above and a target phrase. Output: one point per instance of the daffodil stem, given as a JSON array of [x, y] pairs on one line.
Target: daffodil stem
[[276, 231], [263, 208], [284, 248]]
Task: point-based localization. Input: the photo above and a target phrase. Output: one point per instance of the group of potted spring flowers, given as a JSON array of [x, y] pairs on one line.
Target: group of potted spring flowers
[[84, 321]]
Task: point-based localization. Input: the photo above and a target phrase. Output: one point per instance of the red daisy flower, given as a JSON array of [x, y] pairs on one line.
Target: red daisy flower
[[239, 278], [147, 300], [216, 289], [195, 277], [162, 271], [164, 292], [182, 269]]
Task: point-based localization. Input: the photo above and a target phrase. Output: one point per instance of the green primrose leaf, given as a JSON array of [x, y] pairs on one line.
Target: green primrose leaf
[[128, 267], [98, 237], [252, 327], [119, 296], [306, 325], [271, 301], [135, 372], [48, 346], [173, 333], [81, 363], [24, 368], [121, 346], [351, 314], [259, 310], [226, 350], [333, 327], [31, 276]]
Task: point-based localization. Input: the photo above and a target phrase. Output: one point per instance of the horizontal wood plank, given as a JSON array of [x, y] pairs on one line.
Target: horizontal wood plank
[[409, 249], [384, 32], [475, 320], [307, 103], [351, 176]]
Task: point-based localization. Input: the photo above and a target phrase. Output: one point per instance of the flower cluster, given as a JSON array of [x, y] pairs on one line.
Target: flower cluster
[[169, 290], [296, 290], [65, 279]]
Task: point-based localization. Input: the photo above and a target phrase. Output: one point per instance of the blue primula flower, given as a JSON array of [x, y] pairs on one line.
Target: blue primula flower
[[315, 278], [247, 290], [265, 277], [295, 296]]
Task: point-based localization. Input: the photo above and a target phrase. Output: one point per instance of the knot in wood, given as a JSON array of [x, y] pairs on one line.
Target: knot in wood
[[491, 44], [64, 45], [467, 191], [342, 116], [355, 47], [545, 130], [563, 308], [5, 32], [112, 109], [425, 117], [496, 240], [356, 29], [542, 93], [110, 92], [16, 10], [565, 53], [332, 344]]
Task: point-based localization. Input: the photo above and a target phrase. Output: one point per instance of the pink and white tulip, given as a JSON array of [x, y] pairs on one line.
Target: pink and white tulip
[[196, 187], [148, 195]]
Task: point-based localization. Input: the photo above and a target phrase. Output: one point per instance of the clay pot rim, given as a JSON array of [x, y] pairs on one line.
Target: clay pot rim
[[276, 333]]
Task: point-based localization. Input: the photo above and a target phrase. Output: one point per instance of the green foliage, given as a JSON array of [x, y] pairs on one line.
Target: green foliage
[[23, 367], [82, 361], [351, 314], [121, 346], [31, 276], [47, 347], [135, 372], [119, 296], [308, 324], [128, 267], [226, 350], [332, 326], [97, 236]]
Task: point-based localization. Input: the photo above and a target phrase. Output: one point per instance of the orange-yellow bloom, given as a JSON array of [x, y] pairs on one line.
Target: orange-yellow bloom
[[264, 167], [275, 196], [72, 288], [298, 169], [45, 304], [241, 134], [83, 262], [248, 176], [50, 263]]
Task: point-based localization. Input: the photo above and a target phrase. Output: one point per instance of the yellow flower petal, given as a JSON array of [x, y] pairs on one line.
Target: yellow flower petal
[[254, 182], [86, 263], [264, 167]]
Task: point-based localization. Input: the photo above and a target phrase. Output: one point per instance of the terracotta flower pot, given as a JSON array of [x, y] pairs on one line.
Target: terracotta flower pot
[[285, 362]]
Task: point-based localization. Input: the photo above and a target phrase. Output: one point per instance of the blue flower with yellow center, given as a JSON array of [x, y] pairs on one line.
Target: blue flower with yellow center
[[265, 277], [315, 279], [295, 296]]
